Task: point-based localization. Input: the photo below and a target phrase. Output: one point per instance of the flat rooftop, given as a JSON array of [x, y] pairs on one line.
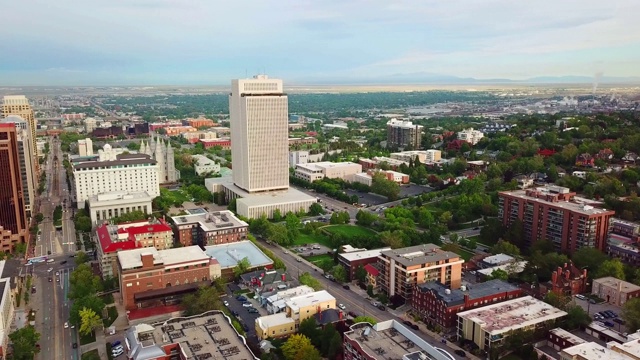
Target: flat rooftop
[[593, 351], [420, 254], [209, 221], [131, 259], [325, 165], [567, 205], [301, 301], [391, 340], [625, 287], [564, 334], [475, 291], [229, 254], [205, 336], [515, 268], [498, 259], [265, 322], [511, 315], [365, 254], [120, 195]]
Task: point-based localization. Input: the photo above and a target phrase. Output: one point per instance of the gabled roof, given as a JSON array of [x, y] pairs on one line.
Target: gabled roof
[[109, 246]]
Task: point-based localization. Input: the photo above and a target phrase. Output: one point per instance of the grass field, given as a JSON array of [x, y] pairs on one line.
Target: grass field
[[87, 339], [113, 315], [466, 255], [305, 239], [319, 258], [349, 230], [91, 355]]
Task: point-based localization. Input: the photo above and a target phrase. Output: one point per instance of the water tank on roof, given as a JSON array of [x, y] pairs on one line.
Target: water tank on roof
[[463, 287]]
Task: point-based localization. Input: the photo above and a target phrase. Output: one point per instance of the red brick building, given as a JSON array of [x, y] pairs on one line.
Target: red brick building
[[567, 280], [549, 213], [351, 260], [438, 305], [223, 143], [149, 277], [585, 160], [209, 228]]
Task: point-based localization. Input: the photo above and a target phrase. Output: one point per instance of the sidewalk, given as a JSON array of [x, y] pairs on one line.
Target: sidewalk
[[100, 344]]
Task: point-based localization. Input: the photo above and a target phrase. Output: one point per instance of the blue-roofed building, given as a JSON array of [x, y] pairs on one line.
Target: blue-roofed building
[[438, 304], [228, 255]]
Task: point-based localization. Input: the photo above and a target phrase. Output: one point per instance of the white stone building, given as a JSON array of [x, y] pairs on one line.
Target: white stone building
[[471, 136], [315, 171], [85, 147], [105, 206], [204, 165], [163, 154]]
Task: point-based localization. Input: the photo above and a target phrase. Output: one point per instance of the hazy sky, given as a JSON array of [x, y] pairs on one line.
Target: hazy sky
[[96, 42]]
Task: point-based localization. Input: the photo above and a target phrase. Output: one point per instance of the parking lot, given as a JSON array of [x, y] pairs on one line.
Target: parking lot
[[596, 308], [368, 198], [412, 190], [311, 250], [244, 316]]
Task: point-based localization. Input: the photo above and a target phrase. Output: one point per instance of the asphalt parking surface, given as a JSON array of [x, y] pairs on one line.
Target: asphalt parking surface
[[368, 198], [243, 315], [595, 308], [412, 190]]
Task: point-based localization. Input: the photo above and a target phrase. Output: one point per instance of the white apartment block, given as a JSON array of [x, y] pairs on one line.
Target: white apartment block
[[103, 207], [298, 157], [259, 118], [90, 124], [424, 156], [315, 171], [85, 147], [204, 165], [7, 312], [471, 136], [115, 173]]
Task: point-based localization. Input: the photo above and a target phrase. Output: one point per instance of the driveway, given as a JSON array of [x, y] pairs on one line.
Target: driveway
[[243, 315]]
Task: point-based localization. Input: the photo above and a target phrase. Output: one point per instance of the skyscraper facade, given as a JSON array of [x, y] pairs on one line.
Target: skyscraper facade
[[14, 228], [259, 114], [28, 174], [19, 105]]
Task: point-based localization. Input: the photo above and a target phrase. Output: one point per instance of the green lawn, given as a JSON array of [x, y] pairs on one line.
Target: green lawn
[[113, 315], [349, 230], [91, 355], [305, 239], [466, 255], [319, 258], [87, 339]]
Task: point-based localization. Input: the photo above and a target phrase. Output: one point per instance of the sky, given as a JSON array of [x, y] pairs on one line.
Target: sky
[[209, 42]]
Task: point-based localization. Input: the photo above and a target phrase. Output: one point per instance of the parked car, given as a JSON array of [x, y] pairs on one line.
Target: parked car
[[581, 297], [75, 345], [341, 306], [460, 353], [115, 343], [247, 304], [252, 310], [245, 327], [234, 313], [381, 307], [346, 287], [241, 298], [609, 324], [411, 325], [226, 303], [352, 314], [66, 325]]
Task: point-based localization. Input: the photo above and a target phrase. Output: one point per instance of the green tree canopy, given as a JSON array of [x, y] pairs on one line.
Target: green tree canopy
[[613, 267], [83, 283], [505, 247], [207, 298], [299, 347], [278, 234], [631, 314], [24, 342], [307, 279], [339, 273], [367, 319], [589, 257], [242, 267], [89, 320]]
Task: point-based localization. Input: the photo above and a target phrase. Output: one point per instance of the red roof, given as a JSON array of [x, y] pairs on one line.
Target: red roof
[[151, 228], [371, 270], [108, 246]]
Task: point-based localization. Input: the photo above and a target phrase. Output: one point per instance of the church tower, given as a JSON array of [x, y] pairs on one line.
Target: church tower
[[171, 165], [159, 157]]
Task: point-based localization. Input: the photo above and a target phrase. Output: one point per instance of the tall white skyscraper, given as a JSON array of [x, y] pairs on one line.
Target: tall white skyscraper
[[259, 114]]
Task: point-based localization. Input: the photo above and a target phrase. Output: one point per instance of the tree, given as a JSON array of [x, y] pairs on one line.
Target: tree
[[339, 273], [361, 274], [277, 215], [92, 302], [205, 299], [293, 226], [505, 247], [81, 258], [367, 319], [576, 317], [309, 328], [335, 346], [499, 274], [232, 206], [82, 223], [278, 234], [381, 186], [89, 320], [24, 342], [242, 267], [260, 226], [613, 268], [298, 347], [39, 217], [472, 244], [394, 239], [307, 279], [365, 218], [316, 209], [590, 258], [83, 283], [631, 314], [556, 300]]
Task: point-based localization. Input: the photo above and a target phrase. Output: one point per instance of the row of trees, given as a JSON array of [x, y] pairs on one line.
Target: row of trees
[[87, 309]]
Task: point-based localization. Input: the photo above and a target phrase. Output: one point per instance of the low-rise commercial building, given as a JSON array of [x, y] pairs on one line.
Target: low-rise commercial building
[[276, 303], [194, 137], [228, 255], [316, 171], [388, 340], [204, 165], [367, 178], [560, 339], [471, 136], [377, 161], [200, 227], [149, 277], [302, 141], [488, 326], [103, 207], [629, 350], [210, 335], [354, 259], [223, 143], [199, 122], [298, 157], [439, 305], [614, 291], [402, 269], [423, 156], [177, 130]]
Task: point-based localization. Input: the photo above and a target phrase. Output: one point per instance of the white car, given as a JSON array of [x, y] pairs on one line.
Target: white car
[[226, 303], [66, 325], [247, 304], [341, 306], [57, 273], [581, 297]]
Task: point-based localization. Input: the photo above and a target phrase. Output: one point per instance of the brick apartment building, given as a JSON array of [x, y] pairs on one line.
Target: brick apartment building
[[355, 258], [623, 242], [203, 228], [550, 213], [149, 277], [225, 144], [402, 269], [200, 122], [438, 305], [567, 280]]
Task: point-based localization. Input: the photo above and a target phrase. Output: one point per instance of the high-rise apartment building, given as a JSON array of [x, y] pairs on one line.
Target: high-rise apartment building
[[28, 173], [403, 134], [550, 213], [19, 105], [14, 227], [259, 114], [85, 147], [113, 172]]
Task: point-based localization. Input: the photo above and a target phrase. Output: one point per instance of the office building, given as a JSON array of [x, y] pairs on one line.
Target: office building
[[228, 255], [388, 340], [210, 335], [200, 227], [614, 291], [550, 213], [194, 137], [423, 156], [150, 277], [298, 157], [403, 134], [438, 305], [19, 105], [115, 173], [470, 136], [85, 147], [352, 260], [162, 153], [402, 269], [14, 225], [367, 177], [488, 326], [315, 171], [90, 124], [222, 143], [103, 207], [297, 142], [259, 116], [26, 154], [199, 122], [203, 165]]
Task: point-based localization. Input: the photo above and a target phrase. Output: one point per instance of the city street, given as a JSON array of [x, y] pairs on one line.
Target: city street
[[50, 301]]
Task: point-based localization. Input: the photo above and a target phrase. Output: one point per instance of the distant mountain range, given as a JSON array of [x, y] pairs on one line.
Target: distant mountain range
[[430, 78]]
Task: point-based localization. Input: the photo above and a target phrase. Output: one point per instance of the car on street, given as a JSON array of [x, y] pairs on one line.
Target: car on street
[[460, 353], [226, 303], [299, 260], [50, 279], [286, 252], [346, 287], [115, 343], [57, 273], [63, 262], [341, 306], [33, 289], [49, 269], [234, 313], [241, 298], [381, 307], [75, 345], [252, 310], [57, 279], [411, 325], [245, 327], [581, 297], [66, 325], [247, 304], [353, 314]]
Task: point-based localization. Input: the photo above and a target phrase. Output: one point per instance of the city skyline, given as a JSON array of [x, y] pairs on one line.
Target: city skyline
[[167, 42]]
